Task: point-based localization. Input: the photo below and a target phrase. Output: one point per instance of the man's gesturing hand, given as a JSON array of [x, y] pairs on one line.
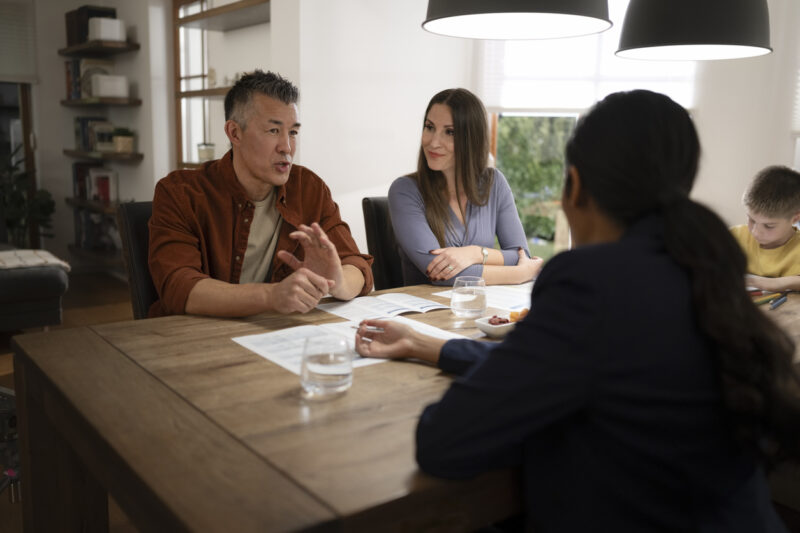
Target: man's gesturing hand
[[300, 292], [319, 252]]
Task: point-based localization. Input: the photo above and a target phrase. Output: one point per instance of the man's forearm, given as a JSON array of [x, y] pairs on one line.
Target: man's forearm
[[218, 298], [352, 283]]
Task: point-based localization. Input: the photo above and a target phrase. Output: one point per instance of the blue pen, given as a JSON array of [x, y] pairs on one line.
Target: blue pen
[[778, 302]]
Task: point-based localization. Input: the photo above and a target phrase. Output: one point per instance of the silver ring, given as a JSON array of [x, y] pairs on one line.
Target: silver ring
[[450, 267]]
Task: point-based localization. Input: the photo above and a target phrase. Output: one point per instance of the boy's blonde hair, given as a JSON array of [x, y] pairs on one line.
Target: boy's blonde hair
[[774, 192]]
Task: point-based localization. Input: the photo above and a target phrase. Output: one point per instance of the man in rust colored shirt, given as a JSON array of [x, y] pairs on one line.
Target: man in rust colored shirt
[[251, 232]]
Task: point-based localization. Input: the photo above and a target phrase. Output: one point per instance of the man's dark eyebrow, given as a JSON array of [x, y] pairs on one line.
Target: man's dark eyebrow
[[280, 123]]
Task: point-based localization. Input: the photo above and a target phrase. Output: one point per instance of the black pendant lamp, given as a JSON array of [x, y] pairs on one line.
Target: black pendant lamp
[[517, 19], [695, 29]]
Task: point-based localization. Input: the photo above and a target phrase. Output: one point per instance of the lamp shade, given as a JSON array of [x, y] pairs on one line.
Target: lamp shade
[[695, 29], [516, 19]]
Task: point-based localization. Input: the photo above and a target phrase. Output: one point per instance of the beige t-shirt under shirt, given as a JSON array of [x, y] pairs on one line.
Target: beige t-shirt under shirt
[[261, 242]]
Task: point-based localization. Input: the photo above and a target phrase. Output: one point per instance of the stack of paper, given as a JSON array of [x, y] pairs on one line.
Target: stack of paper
[[385, 305], [508, 297], [285, 347]]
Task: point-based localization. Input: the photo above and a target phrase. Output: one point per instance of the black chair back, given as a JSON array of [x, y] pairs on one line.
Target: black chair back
[[3, 228], [132, 218], [386, 269]]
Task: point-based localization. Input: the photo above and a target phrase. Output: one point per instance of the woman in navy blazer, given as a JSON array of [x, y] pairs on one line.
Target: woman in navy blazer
[[644, 391]]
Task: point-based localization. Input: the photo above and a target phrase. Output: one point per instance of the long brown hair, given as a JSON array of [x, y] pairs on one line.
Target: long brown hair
[[471, 146]]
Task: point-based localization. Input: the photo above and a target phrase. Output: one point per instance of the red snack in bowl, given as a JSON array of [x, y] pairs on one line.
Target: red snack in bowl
[[497, 320]]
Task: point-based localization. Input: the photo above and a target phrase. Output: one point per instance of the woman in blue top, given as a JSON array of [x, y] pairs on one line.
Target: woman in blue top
[[446, 215], [644, 391]]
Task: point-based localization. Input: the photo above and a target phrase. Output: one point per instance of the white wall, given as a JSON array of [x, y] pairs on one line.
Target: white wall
[[149, 69], [743, 114], [367, 72], [365, 69]]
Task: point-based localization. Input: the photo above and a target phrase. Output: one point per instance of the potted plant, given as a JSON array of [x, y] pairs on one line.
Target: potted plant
[[123, 140], [22, 207]]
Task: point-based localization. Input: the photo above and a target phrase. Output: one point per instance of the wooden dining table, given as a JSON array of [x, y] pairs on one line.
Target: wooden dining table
[[785, 479], [188, 430]]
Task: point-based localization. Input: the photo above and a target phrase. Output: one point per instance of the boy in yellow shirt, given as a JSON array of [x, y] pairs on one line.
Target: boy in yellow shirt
[[770, 240]]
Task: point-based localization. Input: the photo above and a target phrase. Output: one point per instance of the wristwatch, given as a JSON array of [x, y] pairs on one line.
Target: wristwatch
[[485, 254]]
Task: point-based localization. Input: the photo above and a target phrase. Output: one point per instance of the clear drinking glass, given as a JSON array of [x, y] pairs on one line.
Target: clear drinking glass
[[327, 366], [469, 297]]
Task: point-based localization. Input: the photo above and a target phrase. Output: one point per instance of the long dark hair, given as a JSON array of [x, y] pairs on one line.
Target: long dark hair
[[637, 153], [471, 141]]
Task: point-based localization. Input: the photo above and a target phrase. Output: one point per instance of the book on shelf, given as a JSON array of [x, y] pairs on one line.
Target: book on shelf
[[80, 179], [73, 78], [82, 132], [100, 136], [79, 72], [102, 185]]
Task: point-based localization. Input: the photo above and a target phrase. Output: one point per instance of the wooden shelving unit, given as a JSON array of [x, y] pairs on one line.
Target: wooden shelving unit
[[91, 205], [123, 157], [98, 49], [205, 93], [102, 101], [90, 254], [229, 17]]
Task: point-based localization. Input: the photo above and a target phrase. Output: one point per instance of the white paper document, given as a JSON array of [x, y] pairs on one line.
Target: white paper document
[[285, 347], [385, 305], [507, 297]]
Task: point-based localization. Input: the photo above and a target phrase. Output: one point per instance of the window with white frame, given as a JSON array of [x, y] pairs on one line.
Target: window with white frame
[[539, 88]]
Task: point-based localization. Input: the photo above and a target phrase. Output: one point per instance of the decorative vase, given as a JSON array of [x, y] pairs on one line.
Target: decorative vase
[[205, 151], [123, 143]]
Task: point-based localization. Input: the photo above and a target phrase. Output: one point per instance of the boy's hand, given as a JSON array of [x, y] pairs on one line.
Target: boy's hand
[[782, 284], [759, 282]]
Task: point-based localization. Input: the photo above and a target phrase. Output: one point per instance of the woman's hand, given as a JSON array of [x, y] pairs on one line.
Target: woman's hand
[[530, 266], [387, 339], [383, 339], [452, 260]]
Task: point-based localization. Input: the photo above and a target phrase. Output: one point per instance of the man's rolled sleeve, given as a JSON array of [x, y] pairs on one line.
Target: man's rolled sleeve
[[175, 258]]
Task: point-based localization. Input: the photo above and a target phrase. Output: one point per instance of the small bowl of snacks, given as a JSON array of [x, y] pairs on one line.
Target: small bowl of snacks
[[498, 326]]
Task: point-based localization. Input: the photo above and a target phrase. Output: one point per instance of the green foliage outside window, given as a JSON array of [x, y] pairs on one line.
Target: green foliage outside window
[[530, 153]]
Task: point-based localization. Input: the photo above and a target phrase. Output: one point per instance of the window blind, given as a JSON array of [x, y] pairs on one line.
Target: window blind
[[17, 41]]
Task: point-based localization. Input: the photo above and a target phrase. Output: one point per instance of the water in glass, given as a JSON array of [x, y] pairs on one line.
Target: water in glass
[[469, 297], [327, 366]]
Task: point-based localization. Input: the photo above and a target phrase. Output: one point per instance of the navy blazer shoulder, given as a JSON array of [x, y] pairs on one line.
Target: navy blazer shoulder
[[606, 395]]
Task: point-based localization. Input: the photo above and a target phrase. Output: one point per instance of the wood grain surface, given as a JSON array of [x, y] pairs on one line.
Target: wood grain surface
[[189, 430]]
